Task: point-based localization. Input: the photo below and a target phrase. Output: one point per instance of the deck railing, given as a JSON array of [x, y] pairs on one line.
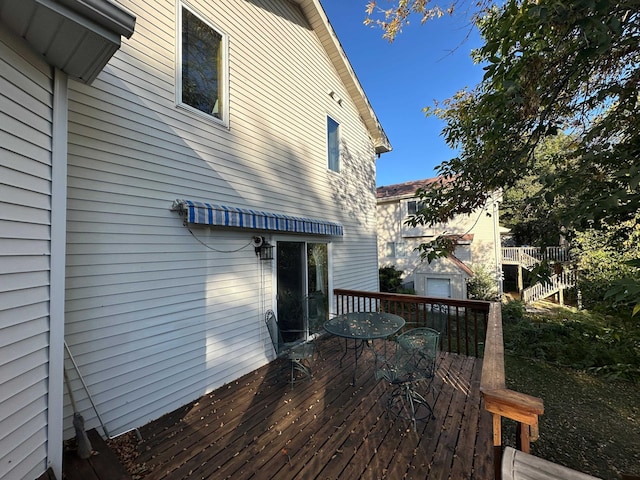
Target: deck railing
[[529, 256], [501, 401], [462, 323], [468, 327]]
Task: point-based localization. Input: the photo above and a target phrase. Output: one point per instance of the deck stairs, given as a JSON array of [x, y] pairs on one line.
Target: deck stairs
[[555, 285], [527, 258]]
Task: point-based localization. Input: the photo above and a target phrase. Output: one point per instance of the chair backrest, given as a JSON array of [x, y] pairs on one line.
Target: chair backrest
[[274, 331], [418, 351]]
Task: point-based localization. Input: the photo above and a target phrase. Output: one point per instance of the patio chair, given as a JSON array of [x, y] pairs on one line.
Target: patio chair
[[298, 353], [412, 366]]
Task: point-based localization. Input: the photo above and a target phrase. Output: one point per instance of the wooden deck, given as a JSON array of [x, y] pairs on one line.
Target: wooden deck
[[323, 429]]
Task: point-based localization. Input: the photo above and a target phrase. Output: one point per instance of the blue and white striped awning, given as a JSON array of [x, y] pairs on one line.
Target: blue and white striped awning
[[220, 215]]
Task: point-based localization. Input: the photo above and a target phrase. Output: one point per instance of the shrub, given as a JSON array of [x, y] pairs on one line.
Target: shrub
[[482, 286], [605, 259], [581, 340], [513, 310], [390, 279]]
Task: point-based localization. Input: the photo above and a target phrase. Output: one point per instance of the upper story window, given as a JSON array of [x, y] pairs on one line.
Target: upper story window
[[202, 68], [333, 144], [414, 207]]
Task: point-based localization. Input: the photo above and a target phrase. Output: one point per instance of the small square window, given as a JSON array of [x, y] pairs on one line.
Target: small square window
[[413, 207], [202, 68], [391, 250], [333, 144], [396, 250]]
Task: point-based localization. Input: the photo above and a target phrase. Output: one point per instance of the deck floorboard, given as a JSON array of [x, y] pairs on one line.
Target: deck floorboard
[[260, 428]]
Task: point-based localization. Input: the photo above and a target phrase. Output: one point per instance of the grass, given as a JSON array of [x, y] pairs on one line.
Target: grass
[[592, 408]]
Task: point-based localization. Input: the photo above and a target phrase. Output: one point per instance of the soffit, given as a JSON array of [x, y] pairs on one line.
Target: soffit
[[77, 36]]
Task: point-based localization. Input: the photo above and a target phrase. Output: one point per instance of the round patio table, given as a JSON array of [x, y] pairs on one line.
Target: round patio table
[[362, 327]]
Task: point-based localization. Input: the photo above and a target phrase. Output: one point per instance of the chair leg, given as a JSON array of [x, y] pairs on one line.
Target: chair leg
[[299, 366], [404, 402]]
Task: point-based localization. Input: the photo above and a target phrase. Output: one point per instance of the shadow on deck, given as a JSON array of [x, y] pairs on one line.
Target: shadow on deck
[[322, 429]]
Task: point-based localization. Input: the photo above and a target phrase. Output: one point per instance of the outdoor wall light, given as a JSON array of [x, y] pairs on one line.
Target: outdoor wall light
[[264, 250]]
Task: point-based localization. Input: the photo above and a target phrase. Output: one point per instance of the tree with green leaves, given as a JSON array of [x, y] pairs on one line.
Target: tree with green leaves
[[608, 261], [532, 217], [551, 66]]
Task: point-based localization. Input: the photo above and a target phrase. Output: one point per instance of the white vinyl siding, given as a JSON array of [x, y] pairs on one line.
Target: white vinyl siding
[[154, 318], [25, 198]]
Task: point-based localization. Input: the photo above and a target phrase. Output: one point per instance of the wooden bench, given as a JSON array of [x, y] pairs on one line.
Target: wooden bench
[[517, 406]]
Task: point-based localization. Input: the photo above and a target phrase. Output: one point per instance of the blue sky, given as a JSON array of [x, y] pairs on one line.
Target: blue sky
[[425, 63]]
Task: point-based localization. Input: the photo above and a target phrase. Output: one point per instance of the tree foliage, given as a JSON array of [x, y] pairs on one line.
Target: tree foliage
[[550, 66], [482, 286], [390, 278], [608, 266], [531, 216]]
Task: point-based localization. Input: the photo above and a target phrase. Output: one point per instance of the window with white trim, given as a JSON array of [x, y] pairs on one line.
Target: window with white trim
[[414, 207], [396, 250], [201, 82], [333, 145]]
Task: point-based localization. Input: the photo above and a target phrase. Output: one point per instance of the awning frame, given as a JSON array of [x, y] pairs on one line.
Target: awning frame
[[211, 214]]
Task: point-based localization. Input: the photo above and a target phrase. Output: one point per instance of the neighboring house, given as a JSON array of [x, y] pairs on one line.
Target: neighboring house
[[140, 173], [476, 235]]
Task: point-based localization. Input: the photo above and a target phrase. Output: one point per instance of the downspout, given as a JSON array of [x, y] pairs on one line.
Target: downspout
[[57, 270]]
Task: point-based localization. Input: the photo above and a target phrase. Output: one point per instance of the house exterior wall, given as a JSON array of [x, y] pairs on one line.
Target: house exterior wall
[[25, 235], [156, 315], [480, 250]]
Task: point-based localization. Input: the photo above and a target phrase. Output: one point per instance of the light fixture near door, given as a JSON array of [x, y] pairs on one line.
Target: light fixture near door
[[263, 249]]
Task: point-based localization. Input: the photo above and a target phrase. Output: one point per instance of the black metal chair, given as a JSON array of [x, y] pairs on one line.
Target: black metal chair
[[298, 353], [412, 366]]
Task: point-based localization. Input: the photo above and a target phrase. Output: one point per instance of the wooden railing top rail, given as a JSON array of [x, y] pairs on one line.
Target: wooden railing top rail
[[407, 298], [493, 376], [501, 401]]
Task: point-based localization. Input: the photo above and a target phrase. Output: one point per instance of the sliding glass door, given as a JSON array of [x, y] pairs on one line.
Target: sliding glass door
[[302, 286]]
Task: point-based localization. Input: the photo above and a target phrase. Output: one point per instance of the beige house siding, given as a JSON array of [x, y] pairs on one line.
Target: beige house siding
[[157, 316], [477, 248], [25, 198]]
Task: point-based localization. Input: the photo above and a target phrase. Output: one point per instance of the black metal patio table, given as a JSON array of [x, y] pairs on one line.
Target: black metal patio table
[[362, 327]]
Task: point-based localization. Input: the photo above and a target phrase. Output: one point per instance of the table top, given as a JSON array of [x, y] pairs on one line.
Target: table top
[[364, 325]]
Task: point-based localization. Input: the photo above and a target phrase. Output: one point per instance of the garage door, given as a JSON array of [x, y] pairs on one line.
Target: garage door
[[438, 287]]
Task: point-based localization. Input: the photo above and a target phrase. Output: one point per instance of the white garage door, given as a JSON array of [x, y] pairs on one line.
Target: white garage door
[[438, 287]]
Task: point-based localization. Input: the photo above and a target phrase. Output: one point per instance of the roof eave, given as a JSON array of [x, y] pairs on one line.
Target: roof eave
[[79, 37]]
